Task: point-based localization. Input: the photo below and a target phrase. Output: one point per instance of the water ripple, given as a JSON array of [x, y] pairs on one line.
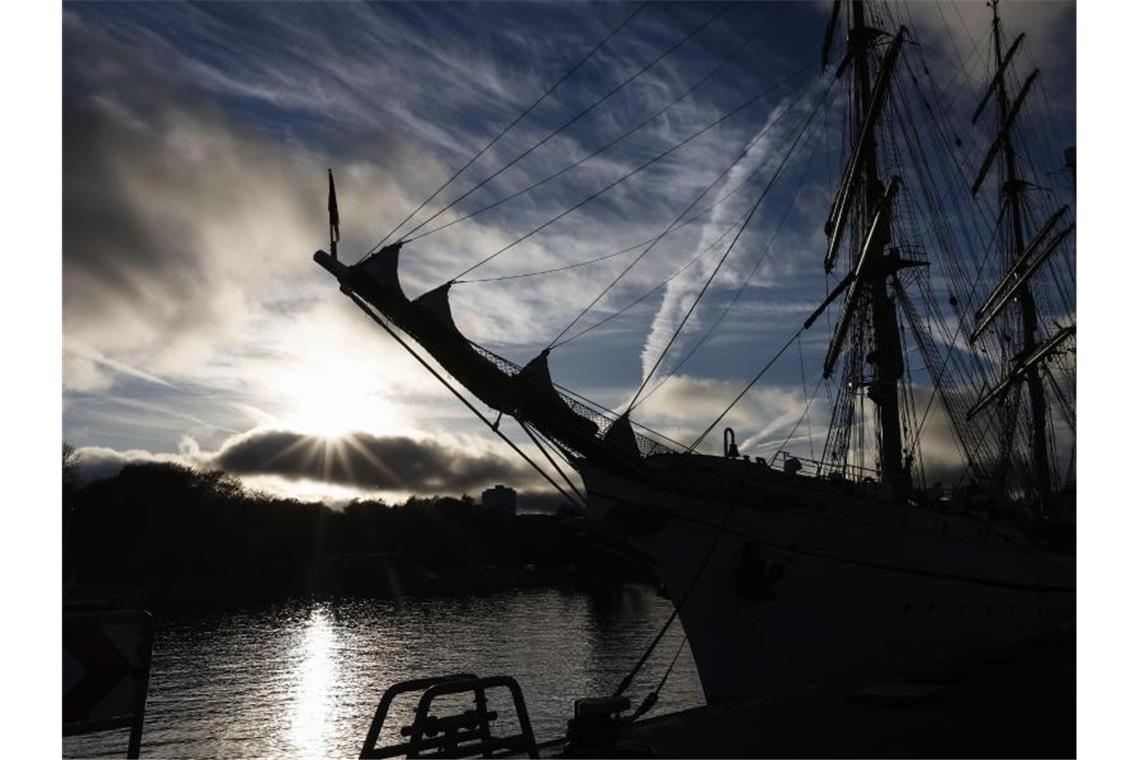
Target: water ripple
[[303, 679]]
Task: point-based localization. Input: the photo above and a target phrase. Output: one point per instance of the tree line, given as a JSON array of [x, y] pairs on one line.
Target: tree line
[[165, 535]]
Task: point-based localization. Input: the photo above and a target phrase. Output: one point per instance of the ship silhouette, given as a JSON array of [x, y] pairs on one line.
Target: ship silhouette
[[944, 259]]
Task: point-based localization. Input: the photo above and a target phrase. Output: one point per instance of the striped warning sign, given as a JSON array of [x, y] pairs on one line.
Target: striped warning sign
[[106, 667]]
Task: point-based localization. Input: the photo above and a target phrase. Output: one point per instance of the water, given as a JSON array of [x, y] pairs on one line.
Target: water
[[303, 679]]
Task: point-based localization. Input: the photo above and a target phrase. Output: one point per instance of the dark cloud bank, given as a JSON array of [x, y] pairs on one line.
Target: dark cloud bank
[[383, 463], [359, 460]]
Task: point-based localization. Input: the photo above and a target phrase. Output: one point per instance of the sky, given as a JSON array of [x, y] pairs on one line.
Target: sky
[[197, 328]]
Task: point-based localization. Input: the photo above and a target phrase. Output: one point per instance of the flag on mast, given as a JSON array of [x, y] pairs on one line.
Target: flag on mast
[[334, 217]]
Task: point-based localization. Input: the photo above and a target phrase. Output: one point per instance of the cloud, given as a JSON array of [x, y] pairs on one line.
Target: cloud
[[771, 418], [762, 419], [99, 462], [182, 227], [88, 369], [962, 30], [353, 463], [958, 36], [382, 463]]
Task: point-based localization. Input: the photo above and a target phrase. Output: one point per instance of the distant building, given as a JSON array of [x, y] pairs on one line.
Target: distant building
[[501, 500]]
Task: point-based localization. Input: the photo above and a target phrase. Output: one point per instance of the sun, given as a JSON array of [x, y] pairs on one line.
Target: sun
[[332, 399]]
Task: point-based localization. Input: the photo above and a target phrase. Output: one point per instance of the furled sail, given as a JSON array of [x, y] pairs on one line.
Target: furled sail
[[537, 397], [621, 436], [376, 278], [428, 319]]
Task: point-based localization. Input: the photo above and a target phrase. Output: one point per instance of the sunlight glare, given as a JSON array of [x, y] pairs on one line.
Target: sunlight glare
[[332, 399], [316, 687]]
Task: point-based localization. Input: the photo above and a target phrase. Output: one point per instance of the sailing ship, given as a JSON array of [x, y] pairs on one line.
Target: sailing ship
[[943, 259]]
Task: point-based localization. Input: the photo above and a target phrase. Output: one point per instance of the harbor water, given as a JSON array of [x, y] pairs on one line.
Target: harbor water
[[302, 679]]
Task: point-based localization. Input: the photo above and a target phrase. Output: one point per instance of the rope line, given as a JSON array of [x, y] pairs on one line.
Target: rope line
[[704, 289], [648, 293], [731, 507], [794, 197], [517, 119], [803, 378], [573, 120], [626, 176], [538, 444], [804, 414], [724, 197], [677, 222], [747, 388], [540, 272], [637, 127], [651, 698]]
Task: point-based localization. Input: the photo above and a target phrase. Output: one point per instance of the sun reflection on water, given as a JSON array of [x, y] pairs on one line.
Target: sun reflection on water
[[314, 692], [303, 679]]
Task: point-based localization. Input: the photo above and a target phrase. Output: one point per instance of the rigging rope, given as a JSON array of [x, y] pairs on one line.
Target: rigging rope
[[637, 127], [804, 414], [649, 292], [724, 197], [538, 444], [730, 508], [793, 199], [807, 401], [771, 182], [540, 272], [677, 223], [517, 119], [946, 235], [627, 175], [1028, 140], [572, 121], [651, 698], [747, 388]]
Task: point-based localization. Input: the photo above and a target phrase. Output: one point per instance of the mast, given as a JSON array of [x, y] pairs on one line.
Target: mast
[[1012, 187], [886, 355]]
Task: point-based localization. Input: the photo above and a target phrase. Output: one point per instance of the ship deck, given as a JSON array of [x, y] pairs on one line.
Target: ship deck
[[1018, 702]]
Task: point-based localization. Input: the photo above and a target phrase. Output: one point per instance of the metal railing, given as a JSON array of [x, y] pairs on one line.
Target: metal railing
[[464, 734]]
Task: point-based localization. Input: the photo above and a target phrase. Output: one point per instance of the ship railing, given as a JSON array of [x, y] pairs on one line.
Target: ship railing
[[820, 468]]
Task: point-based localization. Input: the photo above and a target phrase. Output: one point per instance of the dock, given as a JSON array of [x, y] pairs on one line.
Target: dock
[[1016, 702]]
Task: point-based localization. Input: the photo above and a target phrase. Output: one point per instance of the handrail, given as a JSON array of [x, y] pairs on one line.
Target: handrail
[[390, 694], [522, 742], [463, 735]]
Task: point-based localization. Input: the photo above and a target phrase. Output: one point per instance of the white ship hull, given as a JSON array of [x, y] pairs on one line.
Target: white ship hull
[[812, 582]]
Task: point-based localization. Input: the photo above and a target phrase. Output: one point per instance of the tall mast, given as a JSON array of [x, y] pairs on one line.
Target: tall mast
[[1012, 187], [886, 356]]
